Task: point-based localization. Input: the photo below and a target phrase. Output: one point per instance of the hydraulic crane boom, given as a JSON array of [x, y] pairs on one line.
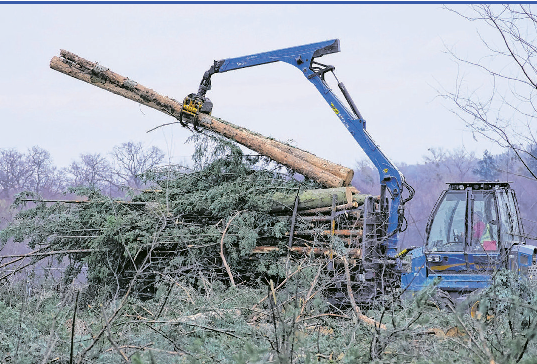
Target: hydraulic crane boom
[[303, 57], [474, 229]]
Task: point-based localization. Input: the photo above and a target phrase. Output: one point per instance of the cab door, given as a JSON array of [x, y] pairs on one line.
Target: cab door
[[462, 242], [511, 231], [447, 233], [483, 246]]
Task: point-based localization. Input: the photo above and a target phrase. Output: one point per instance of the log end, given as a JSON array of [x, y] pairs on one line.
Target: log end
[[54, 61], [348, 177]]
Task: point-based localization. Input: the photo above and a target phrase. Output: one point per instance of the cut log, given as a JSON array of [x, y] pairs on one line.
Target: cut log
[[351, 233], [321, 170], [352, 253], [318, 199]]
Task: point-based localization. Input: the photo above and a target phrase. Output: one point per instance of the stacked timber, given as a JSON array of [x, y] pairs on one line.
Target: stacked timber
[[321, 170], [323, 217]]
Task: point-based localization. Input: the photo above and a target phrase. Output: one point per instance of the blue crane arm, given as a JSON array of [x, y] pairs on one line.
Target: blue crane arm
[[303, 58], [291, 55]]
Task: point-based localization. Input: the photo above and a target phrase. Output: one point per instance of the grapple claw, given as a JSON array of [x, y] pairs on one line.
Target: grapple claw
[[193, 105]]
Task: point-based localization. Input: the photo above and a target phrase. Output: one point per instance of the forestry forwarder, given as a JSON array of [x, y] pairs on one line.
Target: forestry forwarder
[[473, 230]]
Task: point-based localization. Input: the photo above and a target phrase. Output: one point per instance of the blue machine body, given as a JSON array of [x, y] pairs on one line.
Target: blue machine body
[[473, 231], [454, 253]]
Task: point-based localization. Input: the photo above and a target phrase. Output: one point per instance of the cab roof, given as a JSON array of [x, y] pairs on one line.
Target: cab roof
[[478, 185]]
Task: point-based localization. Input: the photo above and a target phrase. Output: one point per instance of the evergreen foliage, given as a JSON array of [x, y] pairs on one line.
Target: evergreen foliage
[[487, 169], [176, 226]]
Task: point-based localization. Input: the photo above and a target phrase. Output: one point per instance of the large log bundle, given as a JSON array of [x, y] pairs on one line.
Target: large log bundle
[[325, 172]]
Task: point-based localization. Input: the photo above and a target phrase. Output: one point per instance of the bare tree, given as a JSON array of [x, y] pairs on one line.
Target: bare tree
[[505, 110], [463, 163], [92, 170], [436, 163], [365, 177], [45, 177], [15, 173], [40, 164], [132, 160]]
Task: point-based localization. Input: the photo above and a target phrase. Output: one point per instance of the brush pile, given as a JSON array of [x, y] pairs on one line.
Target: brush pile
[[232, 218]]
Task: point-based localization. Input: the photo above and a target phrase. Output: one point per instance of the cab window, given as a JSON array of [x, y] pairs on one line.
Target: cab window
[[509, 227], [484, 232], [448, 226]]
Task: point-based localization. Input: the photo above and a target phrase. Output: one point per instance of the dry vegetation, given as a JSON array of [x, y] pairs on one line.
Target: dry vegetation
[[167, 276]]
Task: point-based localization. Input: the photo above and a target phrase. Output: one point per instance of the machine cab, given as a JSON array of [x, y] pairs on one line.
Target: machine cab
[[473, 230], [474, 218]]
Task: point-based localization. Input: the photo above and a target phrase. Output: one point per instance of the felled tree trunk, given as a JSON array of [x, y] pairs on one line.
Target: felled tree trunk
[[325, 172], [315, 199]]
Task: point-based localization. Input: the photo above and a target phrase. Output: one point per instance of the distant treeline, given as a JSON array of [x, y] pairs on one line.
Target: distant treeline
[[441, 166], [35, 171], [110, 173]]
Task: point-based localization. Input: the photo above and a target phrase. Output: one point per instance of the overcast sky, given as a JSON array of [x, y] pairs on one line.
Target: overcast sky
[[393, 60]]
